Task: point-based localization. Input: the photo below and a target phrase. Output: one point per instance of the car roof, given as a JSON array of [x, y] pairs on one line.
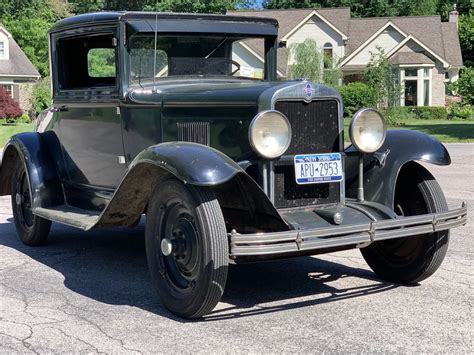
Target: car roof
[[109, 17]]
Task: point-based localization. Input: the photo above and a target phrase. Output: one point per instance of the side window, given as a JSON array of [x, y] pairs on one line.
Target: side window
[[86, 62]]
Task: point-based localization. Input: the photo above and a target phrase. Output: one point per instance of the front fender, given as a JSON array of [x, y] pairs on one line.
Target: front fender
[[31, 150], [243, 202], [191, 163], [381, 169]]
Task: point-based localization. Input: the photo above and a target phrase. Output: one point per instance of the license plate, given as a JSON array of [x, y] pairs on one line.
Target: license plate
[[318, 168]]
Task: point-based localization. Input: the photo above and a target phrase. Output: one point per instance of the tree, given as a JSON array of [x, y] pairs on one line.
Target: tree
[[466, 37], [31, 35], [309, 63], [203, 6], [8, 107], [381, 78], [371, 8], [29, 21], [83, 6], [464, 87], [42, 95]]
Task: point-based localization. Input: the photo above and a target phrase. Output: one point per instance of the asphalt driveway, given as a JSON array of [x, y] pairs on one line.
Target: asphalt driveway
[[89, 292]]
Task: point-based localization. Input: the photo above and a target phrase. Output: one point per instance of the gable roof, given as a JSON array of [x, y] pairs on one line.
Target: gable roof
[[440, 39], [452, 47], [402, 58], [18, 63], [306, 19], [289, 19], [352, 53]]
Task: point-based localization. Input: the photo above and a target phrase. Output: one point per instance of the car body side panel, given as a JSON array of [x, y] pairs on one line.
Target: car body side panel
[[91, 139], [382, 168]]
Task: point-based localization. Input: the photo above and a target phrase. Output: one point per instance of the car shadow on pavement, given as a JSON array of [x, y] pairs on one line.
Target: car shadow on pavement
[[110, 266]]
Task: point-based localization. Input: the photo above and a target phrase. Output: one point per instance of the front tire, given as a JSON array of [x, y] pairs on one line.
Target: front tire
[[187, 248], [31, 229], [412, 259]]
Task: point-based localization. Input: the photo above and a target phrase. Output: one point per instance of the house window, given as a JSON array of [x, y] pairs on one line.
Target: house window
[[417, 86], [328, 55], [8, 88], [2, 49]]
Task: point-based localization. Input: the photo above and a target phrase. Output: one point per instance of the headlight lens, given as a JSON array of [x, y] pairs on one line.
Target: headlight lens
[[270, 134], [367, 130]]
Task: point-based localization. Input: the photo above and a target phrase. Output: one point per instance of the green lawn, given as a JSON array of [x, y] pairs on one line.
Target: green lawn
[[8, 131], [447, 131]]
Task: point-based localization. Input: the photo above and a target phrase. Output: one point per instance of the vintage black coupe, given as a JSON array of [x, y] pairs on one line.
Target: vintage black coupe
[[161, 115]]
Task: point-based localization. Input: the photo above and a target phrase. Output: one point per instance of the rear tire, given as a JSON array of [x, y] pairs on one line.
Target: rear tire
[[412, 259], [31, 229], [187, 248]]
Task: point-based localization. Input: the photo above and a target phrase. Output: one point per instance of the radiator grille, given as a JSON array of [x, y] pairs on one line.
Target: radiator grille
[[314, 125], [195, 132], [315, 128]]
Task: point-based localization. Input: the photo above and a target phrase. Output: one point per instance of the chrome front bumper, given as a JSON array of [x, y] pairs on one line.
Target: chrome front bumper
[[339, 236]]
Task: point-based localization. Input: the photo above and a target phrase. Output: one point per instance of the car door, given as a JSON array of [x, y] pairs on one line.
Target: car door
[[88, 116]]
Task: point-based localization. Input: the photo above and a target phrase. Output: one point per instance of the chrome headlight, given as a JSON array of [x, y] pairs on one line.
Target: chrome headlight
[[270, 134], [367, 130]]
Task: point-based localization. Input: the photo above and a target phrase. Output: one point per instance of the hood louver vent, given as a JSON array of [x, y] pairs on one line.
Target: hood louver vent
[[195, 132]]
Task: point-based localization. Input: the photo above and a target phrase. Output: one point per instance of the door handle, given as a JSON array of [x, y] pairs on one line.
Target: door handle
[[59, 109]]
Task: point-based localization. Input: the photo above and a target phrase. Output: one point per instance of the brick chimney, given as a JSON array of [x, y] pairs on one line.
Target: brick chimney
[[454, 15]]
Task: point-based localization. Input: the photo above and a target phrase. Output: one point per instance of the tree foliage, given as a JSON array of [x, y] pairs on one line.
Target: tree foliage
[[371, 8], [203, 6], [464, 87], [466, 37], [309, 63], [42, 95], [380, 77]]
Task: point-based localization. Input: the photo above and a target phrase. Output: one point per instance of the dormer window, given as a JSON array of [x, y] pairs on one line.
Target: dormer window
[[2, 49], [328, 55]]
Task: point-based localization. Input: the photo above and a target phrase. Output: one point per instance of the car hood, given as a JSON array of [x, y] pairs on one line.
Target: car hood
[[201, 91]]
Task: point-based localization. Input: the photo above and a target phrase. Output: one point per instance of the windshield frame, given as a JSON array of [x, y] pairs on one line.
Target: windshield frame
[[269, 57]]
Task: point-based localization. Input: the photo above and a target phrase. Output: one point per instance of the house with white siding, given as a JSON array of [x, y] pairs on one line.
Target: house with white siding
[[17, 73], [423, 50]]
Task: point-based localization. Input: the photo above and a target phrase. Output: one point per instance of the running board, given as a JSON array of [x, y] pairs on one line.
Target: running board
[[71, 216]]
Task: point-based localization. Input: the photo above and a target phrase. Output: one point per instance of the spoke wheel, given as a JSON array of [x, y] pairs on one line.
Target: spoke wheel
[[31, 229], [187, 250], [412, 259]]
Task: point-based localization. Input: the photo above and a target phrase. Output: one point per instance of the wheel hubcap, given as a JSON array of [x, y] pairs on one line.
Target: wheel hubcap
[[179, 246], [166, 247], [23, 202], [18, 199]]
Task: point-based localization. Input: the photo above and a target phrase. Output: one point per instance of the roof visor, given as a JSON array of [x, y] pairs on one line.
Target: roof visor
[[243, 27]]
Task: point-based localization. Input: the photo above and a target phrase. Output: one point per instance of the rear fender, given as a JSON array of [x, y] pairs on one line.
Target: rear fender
[[382, 168], [31, 150]]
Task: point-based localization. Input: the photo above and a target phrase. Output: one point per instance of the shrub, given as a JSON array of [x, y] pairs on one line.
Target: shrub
[[42, 95], [457, 110], [396, 115], [9, 108], [356, 96], [465, 85]]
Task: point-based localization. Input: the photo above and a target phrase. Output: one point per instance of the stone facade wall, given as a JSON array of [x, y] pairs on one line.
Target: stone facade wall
[[438, 96], [25, 95]]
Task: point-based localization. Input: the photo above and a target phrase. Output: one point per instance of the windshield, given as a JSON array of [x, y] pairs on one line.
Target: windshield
[[186, 55]]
